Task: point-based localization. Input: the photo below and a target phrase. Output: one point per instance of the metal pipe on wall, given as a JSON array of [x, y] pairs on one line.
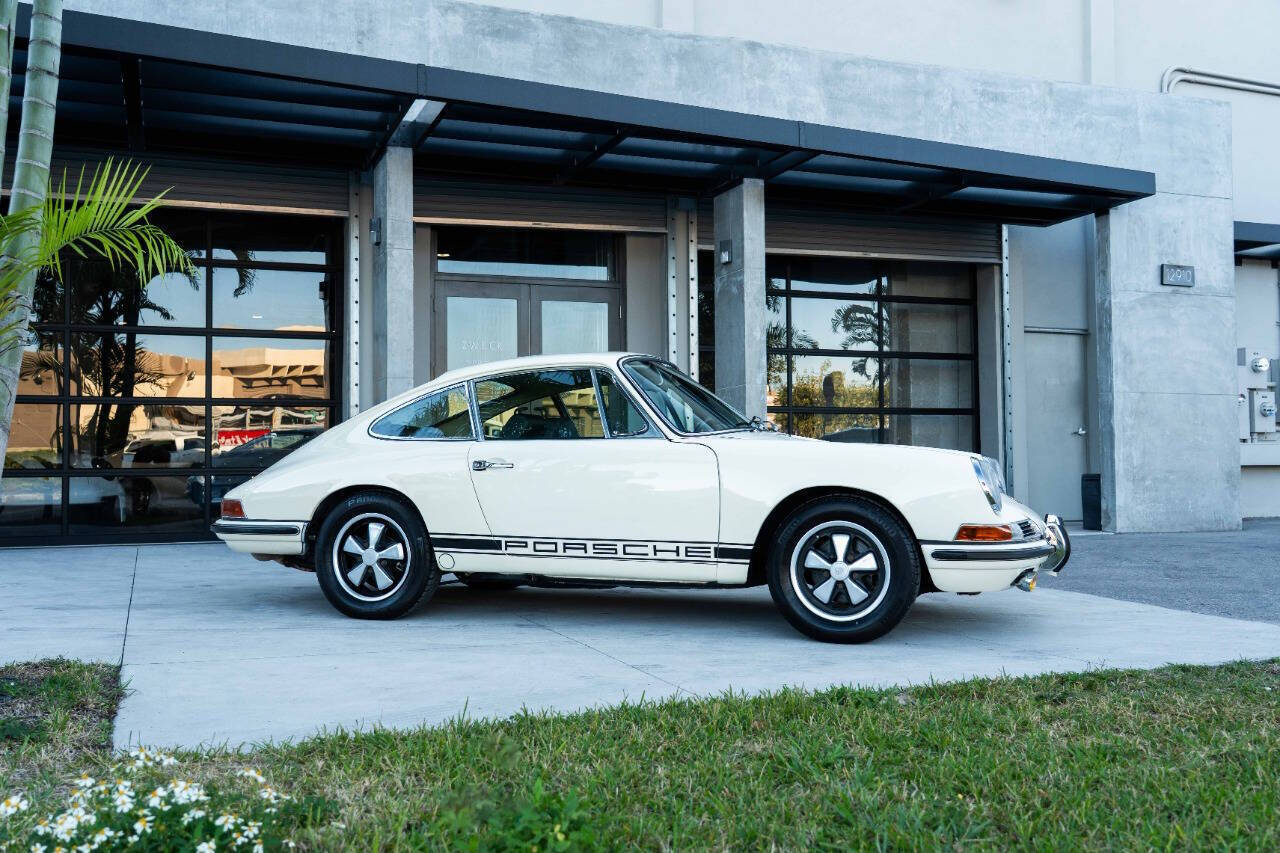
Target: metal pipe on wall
[[1175, 74]]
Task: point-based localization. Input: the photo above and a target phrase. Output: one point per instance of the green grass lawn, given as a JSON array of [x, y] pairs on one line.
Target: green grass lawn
[[1177, 757]]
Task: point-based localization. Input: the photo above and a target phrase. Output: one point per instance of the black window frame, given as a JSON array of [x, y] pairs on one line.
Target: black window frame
[[789, 411], [330, 232]]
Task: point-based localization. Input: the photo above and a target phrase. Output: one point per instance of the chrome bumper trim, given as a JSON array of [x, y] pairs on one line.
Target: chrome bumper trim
[[249, 527], [1056, 532]]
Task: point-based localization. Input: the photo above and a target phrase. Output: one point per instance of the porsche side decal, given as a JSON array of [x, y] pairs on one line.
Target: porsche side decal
[[600, 549]]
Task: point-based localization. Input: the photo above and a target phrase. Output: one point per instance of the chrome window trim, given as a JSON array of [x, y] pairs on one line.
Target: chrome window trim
[[467, 395]]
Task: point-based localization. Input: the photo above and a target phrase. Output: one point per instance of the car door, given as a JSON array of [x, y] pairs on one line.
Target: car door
[[572, 488]]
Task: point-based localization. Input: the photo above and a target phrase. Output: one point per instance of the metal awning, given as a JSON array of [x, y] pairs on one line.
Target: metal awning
[[1257, 240], [146, 88]]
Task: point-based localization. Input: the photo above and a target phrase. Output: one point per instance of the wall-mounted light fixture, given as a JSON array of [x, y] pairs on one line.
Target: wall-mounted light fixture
[[375, 230], [726, 251]]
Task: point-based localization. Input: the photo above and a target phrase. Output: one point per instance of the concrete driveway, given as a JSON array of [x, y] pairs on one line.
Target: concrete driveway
[[220, 649]]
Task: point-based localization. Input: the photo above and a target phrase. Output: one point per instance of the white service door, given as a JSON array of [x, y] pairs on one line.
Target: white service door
[[643, 509]]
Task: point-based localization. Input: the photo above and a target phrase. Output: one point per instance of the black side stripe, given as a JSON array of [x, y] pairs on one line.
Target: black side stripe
[[457, 543], [729, 552]]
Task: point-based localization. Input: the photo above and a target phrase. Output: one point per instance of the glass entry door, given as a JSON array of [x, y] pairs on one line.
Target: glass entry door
[[482, 321]]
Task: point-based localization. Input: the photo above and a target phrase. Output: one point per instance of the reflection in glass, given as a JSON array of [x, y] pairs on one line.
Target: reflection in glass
[[252, 239], [480, 329], [444, 414], [954, 432], [156, 504], [41, 370], [252, 438], [137, 435], [574, 327], [845, 382], [103, 296], [928, 383], [858, 429], [132, 364], [840, 275], [30, 506], [48, 298], [265, 368], [834, 324], [283, 300], [928, 328], [35, 439], [539, 253]]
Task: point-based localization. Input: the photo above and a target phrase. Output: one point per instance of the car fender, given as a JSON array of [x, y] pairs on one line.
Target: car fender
[[934, 490]]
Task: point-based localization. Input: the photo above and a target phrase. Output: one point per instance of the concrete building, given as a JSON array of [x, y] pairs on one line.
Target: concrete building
[[1042, 231]]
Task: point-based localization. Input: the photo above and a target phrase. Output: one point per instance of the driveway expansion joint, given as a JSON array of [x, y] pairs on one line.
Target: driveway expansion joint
[[611, 657]]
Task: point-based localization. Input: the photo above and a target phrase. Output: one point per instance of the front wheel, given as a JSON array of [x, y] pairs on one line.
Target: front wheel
[[843, 570], [373, 559]]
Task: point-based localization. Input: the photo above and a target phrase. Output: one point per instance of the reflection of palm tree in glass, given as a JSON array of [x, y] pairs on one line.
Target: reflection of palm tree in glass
[[106, 364]]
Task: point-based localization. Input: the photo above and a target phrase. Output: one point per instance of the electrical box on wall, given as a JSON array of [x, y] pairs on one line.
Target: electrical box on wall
[[1262, 411], [1253, 367]]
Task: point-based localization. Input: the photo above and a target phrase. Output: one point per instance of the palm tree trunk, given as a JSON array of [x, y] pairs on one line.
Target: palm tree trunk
[[30, 177]]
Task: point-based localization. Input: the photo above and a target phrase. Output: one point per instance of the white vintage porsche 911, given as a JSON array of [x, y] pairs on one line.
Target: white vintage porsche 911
[[617, 469]]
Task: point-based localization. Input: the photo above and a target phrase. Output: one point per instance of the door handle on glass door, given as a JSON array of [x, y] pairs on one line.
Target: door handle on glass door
[[485, 465], [1080, 431]]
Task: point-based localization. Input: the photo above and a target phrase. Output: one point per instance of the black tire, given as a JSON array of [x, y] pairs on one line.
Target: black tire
[[490, 583], [870, 586], [351, 583]]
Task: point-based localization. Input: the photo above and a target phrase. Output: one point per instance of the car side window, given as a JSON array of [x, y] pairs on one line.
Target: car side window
[[624, 419], [444, 414], [540, 404]]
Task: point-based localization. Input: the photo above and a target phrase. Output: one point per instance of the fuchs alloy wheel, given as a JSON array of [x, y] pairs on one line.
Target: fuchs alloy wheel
[[373, 559], [843, 570]]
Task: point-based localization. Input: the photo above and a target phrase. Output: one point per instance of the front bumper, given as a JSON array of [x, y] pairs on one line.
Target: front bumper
[[986, 567], [250, 536]]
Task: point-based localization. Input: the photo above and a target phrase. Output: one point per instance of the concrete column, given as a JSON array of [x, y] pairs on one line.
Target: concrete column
[[1169, 455], [739, 296], [391, 328]]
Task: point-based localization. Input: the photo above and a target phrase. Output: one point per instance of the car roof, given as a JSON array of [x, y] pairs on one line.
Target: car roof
[[530, 362], [493, 368]]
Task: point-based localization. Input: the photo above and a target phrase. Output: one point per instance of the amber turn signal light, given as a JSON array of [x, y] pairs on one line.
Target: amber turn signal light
[[232, 509], [977, 532]]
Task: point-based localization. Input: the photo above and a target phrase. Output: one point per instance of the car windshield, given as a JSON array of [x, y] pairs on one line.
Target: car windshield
[[681, 402]]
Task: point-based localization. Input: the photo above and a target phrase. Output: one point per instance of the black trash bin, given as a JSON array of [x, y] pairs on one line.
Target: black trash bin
[[1091, 501]]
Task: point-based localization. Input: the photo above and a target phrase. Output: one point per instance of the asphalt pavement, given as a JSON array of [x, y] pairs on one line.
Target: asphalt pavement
[[1234, 574]]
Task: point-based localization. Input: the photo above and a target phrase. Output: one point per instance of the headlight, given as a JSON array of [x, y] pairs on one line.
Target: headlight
[[990, 479]]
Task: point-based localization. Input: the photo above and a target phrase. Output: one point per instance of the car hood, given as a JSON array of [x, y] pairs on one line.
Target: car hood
[[784, 443]]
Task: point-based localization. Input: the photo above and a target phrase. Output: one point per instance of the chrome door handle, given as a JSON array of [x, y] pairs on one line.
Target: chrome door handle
[[485, 465]]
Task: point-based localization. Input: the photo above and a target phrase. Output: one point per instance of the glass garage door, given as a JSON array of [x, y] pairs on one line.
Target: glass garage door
[[138, 407], [864, 351]]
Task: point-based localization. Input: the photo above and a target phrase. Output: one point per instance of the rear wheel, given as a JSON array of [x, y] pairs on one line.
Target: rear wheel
[[373, 559], [843, 570]]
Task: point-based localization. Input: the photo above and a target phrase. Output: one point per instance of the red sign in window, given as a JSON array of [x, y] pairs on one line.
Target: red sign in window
[[228, 438]]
